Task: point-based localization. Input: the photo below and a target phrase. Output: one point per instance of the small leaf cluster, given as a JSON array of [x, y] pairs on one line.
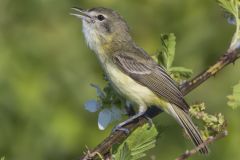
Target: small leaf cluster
[[234, 98], [165, 58], [212, 124], [109, 104], [135, 146]]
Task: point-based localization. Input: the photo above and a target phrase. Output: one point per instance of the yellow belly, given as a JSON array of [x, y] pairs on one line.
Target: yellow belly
[[132, 90]]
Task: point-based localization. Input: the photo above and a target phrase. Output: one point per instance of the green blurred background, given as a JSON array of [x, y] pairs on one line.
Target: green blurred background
[[46, 69]]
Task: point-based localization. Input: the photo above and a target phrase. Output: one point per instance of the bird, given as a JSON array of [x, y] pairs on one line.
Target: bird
[[131, 71]]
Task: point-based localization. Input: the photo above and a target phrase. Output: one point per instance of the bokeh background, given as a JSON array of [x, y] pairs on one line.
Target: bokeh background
[[46, 69]]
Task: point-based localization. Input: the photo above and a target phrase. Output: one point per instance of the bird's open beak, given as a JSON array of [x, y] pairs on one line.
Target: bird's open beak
[[80, 13]]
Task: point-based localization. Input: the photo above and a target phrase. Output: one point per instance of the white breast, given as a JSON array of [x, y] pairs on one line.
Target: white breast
[[90, 36]]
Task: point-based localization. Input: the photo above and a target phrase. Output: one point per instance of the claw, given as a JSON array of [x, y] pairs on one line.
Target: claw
[[120, 128], [149, 120]]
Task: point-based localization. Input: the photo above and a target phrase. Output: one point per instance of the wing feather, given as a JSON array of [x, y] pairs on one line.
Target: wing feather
[[146, 72]]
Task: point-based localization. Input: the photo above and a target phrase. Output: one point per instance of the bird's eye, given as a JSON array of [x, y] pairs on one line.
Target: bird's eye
[[100, 17]]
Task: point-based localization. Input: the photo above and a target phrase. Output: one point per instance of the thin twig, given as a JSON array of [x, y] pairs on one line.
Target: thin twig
[[190, 153], [224, 60]]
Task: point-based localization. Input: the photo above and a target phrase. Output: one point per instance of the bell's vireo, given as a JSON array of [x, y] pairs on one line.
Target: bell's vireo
[[131, 71]]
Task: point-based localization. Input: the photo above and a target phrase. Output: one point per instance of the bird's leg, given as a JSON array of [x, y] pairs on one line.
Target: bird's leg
[[145, 110], [150, 122], [121, 125]]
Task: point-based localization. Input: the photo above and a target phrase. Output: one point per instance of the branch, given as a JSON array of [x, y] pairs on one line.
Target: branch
[[210, 140], [120, 136], [224, 60]]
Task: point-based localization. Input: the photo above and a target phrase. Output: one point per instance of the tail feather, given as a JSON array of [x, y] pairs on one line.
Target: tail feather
[[185, 121]]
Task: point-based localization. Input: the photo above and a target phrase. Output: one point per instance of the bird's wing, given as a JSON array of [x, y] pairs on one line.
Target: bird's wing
[[147, 73]]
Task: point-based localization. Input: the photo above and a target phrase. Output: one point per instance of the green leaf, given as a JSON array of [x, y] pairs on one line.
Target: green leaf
[[234, 99], [166, 55], [135, 146], [232, 7], [123, 153], [2, 158], [229, 6], [181, 72]]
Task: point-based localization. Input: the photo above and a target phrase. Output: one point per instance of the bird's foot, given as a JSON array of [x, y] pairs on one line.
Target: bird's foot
[[149, 121], [120, 127]]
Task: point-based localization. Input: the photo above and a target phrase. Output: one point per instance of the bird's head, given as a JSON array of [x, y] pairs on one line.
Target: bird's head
[[103, 27]]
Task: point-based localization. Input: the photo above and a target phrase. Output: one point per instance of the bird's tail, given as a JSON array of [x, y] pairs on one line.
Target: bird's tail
[[185, 121]]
